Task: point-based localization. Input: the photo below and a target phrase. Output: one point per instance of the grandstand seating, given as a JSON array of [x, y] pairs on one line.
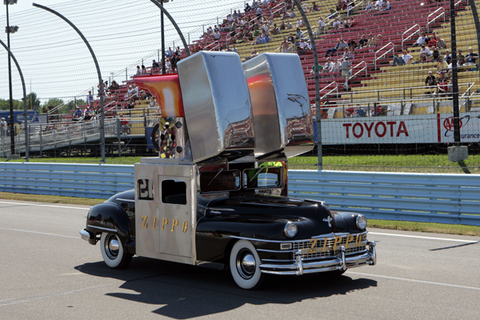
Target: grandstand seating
[[378, 82]]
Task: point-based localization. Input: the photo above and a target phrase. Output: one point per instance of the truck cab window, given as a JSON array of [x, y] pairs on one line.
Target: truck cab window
[[174, 192]]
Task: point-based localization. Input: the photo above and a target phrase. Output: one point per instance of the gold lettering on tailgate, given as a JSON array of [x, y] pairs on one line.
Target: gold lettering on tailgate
[[324, 244], [184, 226], [174, 224], [164, 223], [312, 247], [338, 240], [144, 224]]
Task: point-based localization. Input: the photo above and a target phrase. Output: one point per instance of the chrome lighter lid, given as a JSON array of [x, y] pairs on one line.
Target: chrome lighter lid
[[217, 107], [282, 117]]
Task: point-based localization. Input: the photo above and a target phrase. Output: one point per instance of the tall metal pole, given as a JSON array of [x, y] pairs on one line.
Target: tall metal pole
[[100, 81], [27, 144], [174, 24], [318, 116], [11, 122], [456, 111], [162, 28]]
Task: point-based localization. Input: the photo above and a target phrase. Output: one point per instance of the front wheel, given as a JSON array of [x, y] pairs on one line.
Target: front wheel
[[113, 252], [245, 265]]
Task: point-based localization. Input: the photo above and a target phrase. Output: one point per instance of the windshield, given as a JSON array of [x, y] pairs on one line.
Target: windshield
[[220, 180], [263, 177]]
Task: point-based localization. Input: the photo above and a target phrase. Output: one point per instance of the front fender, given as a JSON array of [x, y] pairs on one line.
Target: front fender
[[108, 217]]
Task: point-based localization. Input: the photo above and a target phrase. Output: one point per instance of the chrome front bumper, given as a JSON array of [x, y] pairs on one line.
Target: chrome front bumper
[[341, 262]]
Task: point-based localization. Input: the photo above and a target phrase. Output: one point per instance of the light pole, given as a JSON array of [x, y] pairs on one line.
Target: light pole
[[25, 118], [162, 29], [10, 29], [100, 80]]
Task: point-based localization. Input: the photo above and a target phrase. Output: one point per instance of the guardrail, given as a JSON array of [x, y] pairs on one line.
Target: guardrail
[[443, 198], [412, 34]]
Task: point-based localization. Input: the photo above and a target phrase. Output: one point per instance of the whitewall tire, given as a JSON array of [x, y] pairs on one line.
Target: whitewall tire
[[245, 265], [113, 252]]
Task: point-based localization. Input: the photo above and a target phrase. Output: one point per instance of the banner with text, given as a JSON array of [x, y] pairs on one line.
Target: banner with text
[[428, 128]]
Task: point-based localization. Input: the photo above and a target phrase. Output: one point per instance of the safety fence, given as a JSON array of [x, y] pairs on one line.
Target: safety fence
[[442, 198]]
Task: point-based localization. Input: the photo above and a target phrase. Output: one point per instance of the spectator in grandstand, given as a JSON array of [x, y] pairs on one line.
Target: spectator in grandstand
[[155, 65], [285, 45], [283, 26], [144, 70], [351, 44], [292, 14], [386, 5], [441, 44], [377, 110], [300, 23], [363, 42], [471, 57], [447, 57], [275, 29], [430, 83], [90, 99], [298, 34], [259, 11], [247, 7], [345, 71], [173, 62], [77, 115], [114, 85], [139, 71], [435, 54], [319, 67], [302, 47], [336, 24], [378, 5], [460, 58], [443, 87], [169, 52], [425, 54], [359, 112], [291, 38], [329, 66], [321, 25], [349, 112], [339, 46], [369, 6], [315, 7], [332, 14], [348, 53], [216, 35], [422, 40], [442, 65], [289, 25], [337, 65]]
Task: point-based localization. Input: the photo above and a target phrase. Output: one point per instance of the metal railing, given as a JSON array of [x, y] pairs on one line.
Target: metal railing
[[364, 68], [415, 26], [434, 16], [442, 198], [384, 54], [334, 84]]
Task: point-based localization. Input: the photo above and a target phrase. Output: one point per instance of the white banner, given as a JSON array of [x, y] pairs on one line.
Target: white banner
[[427, 128]]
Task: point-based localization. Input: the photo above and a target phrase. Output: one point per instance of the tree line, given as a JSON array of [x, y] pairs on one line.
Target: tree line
[[34, 103]]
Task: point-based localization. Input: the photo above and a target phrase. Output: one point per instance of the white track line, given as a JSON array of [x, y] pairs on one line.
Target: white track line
[[422, 237], [44, 205], [42, 233], [417, 281]]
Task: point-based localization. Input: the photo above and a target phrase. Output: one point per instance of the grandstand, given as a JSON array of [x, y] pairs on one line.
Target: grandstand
[[373, 79]]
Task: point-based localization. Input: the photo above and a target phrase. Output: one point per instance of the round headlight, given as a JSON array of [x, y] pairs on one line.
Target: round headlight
[[290, 229], [361, 222]]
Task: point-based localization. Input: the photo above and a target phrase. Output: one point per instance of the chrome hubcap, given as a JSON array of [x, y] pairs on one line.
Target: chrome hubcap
[[246, 264], [112, 247]]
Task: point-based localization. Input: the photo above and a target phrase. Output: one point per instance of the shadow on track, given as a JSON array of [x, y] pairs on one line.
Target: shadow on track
[[184, 292]]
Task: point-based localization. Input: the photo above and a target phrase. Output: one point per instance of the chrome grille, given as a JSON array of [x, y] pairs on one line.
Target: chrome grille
[[311, 249]]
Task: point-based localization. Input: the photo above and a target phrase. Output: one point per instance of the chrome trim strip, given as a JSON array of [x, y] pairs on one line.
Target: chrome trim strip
[[221, 209], [126, 200], [277, 260], [102, 228], [328, 235]]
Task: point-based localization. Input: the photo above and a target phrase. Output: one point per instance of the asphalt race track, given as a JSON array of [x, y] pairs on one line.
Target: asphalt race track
[[48, 272]]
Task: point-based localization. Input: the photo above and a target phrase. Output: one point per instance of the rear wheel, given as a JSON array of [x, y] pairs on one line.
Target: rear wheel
[[113, 251], [245, 265]]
